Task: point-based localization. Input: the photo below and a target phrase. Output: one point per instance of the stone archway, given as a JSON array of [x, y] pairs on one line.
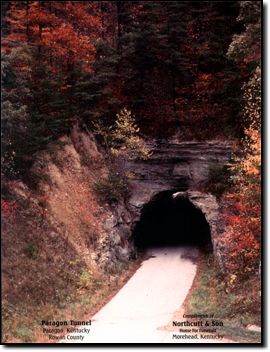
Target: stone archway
[[205, 202], [170, 220], [182, 168]]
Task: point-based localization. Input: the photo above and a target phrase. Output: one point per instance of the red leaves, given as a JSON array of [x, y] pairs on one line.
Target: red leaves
[[63, 42], [43, 198], [241, 215], [66, 31], [9, 208]]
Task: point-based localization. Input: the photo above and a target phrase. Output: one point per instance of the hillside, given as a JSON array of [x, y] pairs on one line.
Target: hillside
[[127, 125]]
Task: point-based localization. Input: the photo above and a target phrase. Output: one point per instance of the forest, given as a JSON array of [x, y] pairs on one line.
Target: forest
[[129, 72]]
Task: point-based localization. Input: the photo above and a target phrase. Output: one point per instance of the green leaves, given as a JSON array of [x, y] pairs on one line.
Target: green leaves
[[111, 189], [123, 138]]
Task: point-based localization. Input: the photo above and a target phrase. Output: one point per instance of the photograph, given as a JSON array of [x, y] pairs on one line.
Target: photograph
[[131, 193]]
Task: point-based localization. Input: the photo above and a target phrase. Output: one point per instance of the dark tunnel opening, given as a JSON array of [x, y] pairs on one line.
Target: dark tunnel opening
[[168, 221]]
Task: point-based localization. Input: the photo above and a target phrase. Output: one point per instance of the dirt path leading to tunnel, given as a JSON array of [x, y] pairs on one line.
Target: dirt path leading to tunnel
[[140, 310]]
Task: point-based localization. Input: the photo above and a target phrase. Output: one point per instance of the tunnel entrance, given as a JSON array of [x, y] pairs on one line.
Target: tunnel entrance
[[169, 221]]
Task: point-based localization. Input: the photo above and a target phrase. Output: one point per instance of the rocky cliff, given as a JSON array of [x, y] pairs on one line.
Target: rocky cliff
[[63, 218], [175, 166]]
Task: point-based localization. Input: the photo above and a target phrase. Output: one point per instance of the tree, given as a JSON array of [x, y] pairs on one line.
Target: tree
[[162, 59], [207, 99], [165, 61], [61, 31], [15, 114], [46, 44], [243, 202], [126, 139], [97, 92], [123, 137]]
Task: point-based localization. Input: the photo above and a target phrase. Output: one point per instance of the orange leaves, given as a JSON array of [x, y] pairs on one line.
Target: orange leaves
[[243, 208], [241, 215], [82, 15], [234, 220], [36, 15], [242, 250], [64, 42], [202, 90], [207, 83], [65, 30], [239, 207]]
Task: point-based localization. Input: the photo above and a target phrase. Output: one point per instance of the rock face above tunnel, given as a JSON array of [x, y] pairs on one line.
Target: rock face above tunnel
[[182, 168], [175, 166], [178, 167]]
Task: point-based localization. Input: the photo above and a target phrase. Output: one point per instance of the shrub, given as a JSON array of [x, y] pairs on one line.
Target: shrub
[[218, 179], [126, 139], [24, 333], [112, 189], [30, 250], [123, 138], [85, 280]]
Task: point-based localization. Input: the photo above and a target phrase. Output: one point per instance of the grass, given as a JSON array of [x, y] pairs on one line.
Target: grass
[[211, 294], [23, 324], [23, 333]]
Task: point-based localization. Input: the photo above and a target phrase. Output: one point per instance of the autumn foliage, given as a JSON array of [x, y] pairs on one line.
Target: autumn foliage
[[65, 32], [242, 203], [185, 68], [67, 63]]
